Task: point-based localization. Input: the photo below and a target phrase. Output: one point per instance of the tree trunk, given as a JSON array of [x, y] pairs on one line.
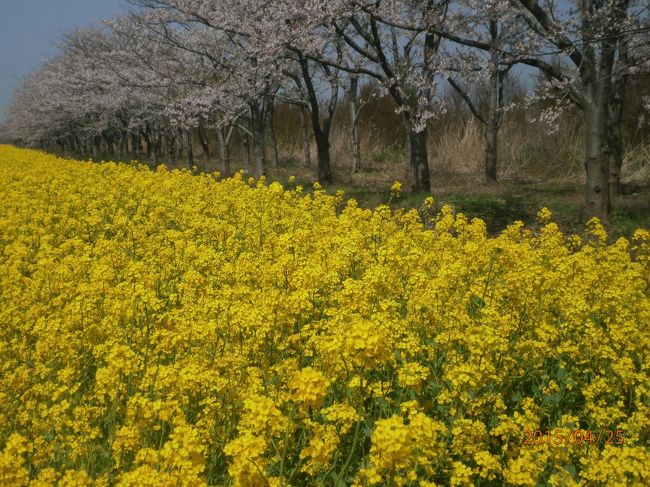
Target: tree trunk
[[615, 143], [204, 138], [154, 148], [323, 148], [354, 126], [493, 119], [491, 154], [96, 147], [146, 134], [305, 137], [615, 120], [224, 151], [257, 128], [596, 78], [154, 145], [190, 148], [597, 87], [171, 147], [492, 129], [180, 145], [271, 130], [136, 147], [419, 158], [321, 131], [124, 144], [110, 149], [597, 199], [246, 151]]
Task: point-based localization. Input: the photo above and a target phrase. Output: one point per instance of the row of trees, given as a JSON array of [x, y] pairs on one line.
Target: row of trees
[[176, 67]]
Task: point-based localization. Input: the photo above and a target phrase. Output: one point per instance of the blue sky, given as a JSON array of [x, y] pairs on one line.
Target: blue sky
[[30, 31]]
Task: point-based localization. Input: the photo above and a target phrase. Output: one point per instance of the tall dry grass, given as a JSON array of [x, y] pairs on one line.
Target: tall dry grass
[[528, 151], [635, 169]]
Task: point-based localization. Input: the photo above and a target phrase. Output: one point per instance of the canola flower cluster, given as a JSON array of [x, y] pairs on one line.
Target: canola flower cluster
[[164, 328]]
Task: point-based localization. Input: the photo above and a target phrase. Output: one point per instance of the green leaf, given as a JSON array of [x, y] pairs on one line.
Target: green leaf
[[571, 468], [476, 304]]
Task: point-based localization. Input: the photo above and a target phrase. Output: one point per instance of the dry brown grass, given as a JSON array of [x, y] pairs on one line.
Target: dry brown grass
[[636, 166], [527, 151]]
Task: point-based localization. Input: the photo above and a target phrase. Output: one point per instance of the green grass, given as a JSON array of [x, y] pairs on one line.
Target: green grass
[[506, 203]]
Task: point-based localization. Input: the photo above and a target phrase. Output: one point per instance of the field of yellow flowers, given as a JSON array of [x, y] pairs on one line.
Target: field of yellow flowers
[[164, 328]]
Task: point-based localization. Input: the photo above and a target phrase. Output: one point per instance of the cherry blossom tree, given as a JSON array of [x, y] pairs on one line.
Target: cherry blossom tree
[[399, 49], [592, 37], [224, 36], [490, 30], [591, 40]]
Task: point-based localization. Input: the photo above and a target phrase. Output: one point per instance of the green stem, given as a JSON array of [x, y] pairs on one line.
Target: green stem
[[352, 448]]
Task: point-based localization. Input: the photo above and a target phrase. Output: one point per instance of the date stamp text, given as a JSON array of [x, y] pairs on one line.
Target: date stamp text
[[565, 437]]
